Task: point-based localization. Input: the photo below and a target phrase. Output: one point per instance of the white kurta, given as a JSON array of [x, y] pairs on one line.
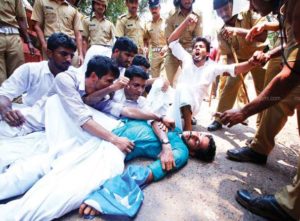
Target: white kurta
[[193, 83]]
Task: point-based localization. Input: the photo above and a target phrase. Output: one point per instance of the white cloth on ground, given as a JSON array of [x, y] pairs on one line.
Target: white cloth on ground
[[76, 164]]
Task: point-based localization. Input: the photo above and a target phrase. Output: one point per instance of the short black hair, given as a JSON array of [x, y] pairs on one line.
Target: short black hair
[[207, 155], [201, 39], [59, 39], [101, 65], [136, 71], [125, 44], [141, 60]]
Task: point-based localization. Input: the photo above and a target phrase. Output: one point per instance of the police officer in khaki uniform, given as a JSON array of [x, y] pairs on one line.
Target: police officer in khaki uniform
[[183, 9], [155, 36], [232, 44], [12, 17], [285, 89], [131, 25], [52, 16], [97, 30]]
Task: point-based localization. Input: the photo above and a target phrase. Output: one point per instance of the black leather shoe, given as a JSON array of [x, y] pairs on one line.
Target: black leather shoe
[[246, 154], [194, 121], [214, 126], [265, 206]]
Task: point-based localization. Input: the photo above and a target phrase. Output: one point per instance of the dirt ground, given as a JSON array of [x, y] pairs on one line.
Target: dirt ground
[[202, 191]]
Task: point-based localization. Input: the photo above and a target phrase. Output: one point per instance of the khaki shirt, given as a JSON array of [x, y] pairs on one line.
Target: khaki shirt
[[131, 27], [291, 50], [192, 31], [55, 17], [155, 33], [98, 32], [9, 11], [243, 49]]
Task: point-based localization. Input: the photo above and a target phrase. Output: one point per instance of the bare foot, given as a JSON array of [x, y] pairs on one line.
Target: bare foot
[[85, 210]]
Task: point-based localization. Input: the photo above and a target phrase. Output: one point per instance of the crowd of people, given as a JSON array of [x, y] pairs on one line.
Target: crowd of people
[[105, 94]]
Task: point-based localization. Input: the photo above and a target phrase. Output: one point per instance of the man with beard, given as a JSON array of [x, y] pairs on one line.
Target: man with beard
[[197, 74], [33, 80], [131, 25], [122, 53], [183, 9]]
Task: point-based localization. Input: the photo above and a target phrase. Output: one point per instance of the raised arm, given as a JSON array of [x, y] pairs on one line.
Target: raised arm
[[97, 96], [190, 19]]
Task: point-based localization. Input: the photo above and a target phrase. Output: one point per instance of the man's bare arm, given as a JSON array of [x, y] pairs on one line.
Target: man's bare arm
[[98, 96], [97, 130], [190, 19], [166, 155]]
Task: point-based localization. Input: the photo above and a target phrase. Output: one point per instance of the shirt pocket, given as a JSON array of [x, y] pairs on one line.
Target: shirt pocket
[[50, 15]]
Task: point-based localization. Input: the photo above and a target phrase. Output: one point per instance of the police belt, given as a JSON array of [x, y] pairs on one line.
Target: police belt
[[107, 46], [9, 30], [158, 49]]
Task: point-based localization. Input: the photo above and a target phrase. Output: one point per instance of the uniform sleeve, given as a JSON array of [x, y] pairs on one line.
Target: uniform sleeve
[[17, 83], [77, 22], [223, 45], [112, 31], [169, 28], [120, 28], [85, 25], [178, 51], [20, 9], [65, 87], [37, 13], [199, 26]]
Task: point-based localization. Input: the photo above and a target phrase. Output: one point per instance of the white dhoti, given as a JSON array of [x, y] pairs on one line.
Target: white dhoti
[[75, 165]]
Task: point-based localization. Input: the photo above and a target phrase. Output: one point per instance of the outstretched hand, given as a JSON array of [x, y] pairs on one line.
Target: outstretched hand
[[125, 145], [254, 31], [231, 117]]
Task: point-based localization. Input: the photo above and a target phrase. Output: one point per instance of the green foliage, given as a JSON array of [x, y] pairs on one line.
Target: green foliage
[[115, 9]]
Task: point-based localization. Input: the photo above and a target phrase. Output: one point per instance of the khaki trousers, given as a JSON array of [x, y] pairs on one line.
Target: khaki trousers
[[289, 196], [157, 64], [275, 117], [232, 87], [11, 55], [171, 66]]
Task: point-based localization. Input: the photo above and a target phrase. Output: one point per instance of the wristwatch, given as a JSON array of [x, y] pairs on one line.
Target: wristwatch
[[164, 141]]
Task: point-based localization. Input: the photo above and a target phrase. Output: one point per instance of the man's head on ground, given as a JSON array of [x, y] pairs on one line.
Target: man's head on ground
[[201, 146], [60, 51], [265, 7], [99, 6], [123, 51], [132, 6], [224, 9], [137, 82], [201, 49], [141, 61], [101, 73], [154, 7]]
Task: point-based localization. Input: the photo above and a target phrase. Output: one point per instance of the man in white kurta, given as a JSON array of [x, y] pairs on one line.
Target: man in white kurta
[[197, 72]]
